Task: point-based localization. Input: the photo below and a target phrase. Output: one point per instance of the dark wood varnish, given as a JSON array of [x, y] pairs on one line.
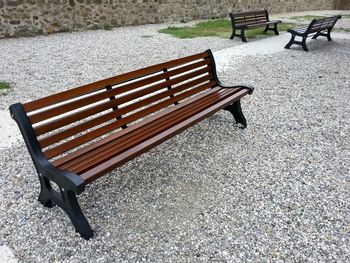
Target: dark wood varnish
[[78, 135], [82, 128]]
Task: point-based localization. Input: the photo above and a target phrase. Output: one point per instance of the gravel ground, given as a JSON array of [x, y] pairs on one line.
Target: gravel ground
[[277, 191], [43, 65]]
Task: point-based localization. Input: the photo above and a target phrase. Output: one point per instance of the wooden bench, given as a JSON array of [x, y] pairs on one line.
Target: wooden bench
[[316, 28], [78, 135], [250, 20]]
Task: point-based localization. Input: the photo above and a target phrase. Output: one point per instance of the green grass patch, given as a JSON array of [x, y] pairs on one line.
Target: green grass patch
[[306, 17], [4, 87], [218, 28], [343, 29], [107, 27], [346, 16]]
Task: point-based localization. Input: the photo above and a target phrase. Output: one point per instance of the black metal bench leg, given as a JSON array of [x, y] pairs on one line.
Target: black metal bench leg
[[316, 35], [291, 42], [329, 35], [66, 199], [45, 192], [243, 36], [237, 113], [275, 30], [71, 207], [233, 34], [303, 44], [266, 28]]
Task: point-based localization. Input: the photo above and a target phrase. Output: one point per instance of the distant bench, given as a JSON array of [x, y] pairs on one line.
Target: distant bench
[[78, 135], [250, 20], [317, 27]]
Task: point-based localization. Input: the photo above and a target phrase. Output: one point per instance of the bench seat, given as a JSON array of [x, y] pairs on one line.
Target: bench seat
[[256, 25], [103, 156]]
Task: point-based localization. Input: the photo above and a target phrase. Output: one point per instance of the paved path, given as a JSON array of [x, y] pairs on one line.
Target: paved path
[[6, 255], [226, 57]]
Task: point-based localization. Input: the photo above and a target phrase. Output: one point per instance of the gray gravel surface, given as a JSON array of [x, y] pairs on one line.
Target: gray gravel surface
[[275, 192], [39, 66]]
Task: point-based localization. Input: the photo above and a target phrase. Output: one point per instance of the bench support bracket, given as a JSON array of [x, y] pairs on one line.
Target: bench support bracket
[[301, 43], [241, 35], [67, 200], [328, 35], [274, 29], [237, 113]]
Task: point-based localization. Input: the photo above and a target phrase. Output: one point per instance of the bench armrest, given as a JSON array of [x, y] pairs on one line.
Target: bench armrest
[[62, 178], [219, 83], [275, 21], [251, 89], [65, 179]]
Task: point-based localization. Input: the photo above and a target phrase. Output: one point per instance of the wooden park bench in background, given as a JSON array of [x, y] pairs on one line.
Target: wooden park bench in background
[[78, 135], [316, 28], [250, 20]]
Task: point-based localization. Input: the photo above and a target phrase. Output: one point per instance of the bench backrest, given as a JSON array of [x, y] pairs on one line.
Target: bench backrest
[[66, 120], [317, 25], [249, 18]]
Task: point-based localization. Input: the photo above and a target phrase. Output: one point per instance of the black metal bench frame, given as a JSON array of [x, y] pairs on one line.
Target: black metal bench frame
[[71, 184], [316, 28], [250, 20]]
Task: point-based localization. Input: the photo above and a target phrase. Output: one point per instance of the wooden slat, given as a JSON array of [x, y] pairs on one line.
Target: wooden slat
[[73, 117], [250, 13], [250, 21], [118, 160], [89, 148], [252, 18], [252, 24], [112, 126], [79, 91], [85, 101], [256, 24], [322, 24], [48, 140], [108, 151], [72, 105]]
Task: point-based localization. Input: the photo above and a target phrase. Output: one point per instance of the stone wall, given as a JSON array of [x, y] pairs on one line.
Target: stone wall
[[342, 4], [32, 17]]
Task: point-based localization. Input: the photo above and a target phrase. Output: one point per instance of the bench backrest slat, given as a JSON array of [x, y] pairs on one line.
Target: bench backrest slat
[[322, 24], [111, 115], [66, 120], [89, 136], [249, 18], [74, 104], [76, 92], [73, 117]]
